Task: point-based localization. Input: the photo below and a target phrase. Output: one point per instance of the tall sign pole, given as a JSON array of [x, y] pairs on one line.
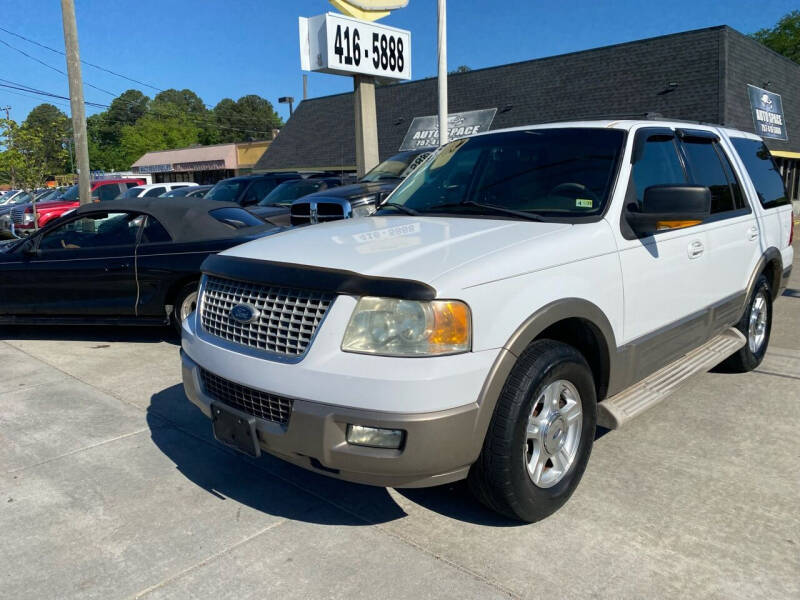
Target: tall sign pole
[[76, 99], [443, 132], [352, 44]]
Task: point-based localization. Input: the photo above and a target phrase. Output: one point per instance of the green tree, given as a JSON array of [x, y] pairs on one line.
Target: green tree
[[460, 69], [784, 38], [251, 117], [154, 132], [54, 128], [21, 162]]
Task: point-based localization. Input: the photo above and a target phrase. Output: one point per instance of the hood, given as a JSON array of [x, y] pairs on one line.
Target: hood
[[276, 215], [419, 248], [48, 206], [355, 190]]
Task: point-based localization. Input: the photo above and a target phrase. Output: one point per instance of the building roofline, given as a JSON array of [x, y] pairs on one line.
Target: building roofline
[[556, 56], [198, 146]]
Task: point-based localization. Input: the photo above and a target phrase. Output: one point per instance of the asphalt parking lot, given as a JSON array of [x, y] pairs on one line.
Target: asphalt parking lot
[[111, 486]]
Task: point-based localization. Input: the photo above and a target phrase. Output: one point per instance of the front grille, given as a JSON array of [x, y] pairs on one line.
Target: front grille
[[287, 317], [253, 402], [301, 212], [16, 214]]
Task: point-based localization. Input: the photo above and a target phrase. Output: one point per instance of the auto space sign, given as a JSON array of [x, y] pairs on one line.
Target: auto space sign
[[424, 131], [767, 113]]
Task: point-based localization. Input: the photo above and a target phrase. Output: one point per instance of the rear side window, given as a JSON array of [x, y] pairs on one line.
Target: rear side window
[[156, 191], [658, 165], [131, 184], [706, 169], [238, 218], [108, 192], [763, 172], [154, 232]]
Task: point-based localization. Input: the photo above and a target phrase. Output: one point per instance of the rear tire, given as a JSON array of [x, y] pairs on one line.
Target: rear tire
[[535, 453], [756, 326], [185, 304]]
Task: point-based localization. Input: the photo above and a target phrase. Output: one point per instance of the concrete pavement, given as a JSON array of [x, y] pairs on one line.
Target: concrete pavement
[[111, 486]]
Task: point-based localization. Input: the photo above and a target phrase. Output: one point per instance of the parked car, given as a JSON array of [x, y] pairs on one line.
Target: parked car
[[103, 190], [248, 190], [518, 289], [358, 199], [154, 189], [276, 206], [196, 191], [15, 197], [5, 210], [121, 262]]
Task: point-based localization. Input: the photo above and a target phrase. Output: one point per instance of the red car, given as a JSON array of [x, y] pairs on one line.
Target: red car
[[102, 190]]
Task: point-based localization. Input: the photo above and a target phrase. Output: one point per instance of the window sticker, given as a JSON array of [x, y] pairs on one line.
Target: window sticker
[[583, 203]]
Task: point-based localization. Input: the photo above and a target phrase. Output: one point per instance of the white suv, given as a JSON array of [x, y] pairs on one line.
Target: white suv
[[519, 289]]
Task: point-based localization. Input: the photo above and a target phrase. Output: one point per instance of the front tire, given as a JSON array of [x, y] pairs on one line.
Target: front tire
[[540, 436], [756, 326], [185, 304]]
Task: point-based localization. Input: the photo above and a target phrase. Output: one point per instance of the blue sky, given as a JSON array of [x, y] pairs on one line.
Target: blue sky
[[231, 48]]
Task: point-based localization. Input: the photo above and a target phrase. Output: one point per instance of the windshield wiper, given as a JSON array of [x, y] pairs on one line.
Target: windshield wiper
[[401, 208], [506, 211]]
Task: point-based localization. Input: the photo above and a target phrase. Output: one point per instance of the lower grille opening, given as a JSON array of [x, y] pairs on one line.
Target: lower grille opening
[[262, 405]]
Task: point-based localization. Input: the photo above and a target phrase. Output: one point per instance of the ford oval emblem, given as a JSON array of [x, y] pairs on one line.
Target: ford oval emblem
[[244, 313]]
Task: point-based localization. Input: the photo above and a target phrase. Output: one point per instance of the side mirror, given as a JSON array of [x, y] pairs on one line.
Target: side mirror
[[670, 207], [29, 248]]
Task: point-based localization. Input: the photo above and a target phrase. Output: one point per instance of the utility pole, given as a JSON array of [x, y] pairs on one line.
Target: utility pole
[[76, 99], [8, 112], [443, 130], [366, 124]]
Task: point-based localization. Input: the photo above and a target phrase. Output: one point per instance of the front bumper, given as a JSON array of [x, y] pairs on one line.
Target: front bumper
[[439, 446]]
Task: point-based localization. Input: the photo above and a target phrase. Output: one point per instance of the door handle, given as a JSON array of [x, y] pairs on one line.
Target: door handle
[[696, 248], [117, 267], [752, 233]]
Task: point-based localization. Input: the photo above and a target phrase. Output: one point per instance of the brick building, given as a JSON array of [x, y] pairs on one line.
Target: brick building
[[700, 75]]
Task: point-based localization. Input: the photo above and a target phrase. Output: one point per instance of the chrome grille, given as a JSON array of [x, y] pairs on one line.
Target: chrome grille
[[303, 213], [287, 317], [251, 401], [16, 214]]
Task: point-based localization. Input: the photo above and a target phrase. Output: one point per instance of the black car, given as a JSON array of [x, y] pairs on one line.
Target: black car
[[359, 199], [248, 190], [190, 191], [123, 262], [275, 207]]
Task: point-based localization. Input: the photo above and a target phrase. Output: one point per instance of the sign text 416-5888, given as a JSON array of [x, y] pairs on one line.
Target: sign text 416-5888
[[338, 44]]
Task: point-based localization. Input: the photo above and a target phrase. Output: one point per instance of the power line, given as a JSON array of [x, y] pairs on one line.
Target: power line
[[5, 83], [56, 69], [61, 52]]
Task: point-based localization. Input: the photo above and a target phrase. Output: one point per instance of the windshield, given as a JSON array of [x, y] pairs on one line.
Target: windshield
[[285, 193], [397, 166], [226, 191], [71, 195], [550, 172]]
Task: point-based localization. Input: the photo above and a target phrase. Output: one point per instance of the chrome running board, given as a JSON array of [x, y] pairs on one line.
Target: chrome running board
[[617, 410]]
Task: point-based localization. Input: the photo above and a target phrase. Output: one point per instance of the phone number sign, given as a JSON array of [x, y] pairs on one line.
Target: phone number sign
[[342, 45]]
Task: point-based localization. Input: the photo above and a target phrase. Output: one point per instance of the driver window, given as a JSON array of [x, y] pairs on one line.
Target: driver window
[[658, 165], [94, 231]]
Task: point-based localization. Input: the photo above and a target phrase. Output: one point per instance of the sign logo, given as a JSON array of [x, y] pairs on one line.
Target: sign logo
[[244, 313], [768, 116], [424, 131]]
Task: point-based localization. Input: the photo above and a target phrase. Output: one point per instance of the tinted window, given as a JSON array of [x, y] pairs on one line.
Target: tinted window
[[154, 232], [226, 191], [658, 165], [195, 193], [763, 172], [291, 190], [107, 192], [156, 191], [96, 231], [131, 184], [562, 172], [706, 169], [259, 189], [132, 193], [238, 218], [71, 195], [733, 180]]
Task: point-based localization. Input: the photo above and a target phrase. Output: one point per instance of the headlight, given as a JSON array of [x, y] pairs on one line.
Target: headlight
[[392, 327], [364, 210], [27, 218]]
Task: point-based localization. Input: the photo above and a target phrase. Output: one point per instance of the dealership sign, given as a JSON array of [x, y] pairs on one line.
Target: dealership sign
[[342, 45], [767, 113], [424, 131]]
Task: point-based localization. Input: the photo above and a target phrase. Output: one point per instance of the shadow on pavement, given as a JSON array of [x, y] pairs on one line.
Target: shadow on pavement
[[90, 333], [227, 474]]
